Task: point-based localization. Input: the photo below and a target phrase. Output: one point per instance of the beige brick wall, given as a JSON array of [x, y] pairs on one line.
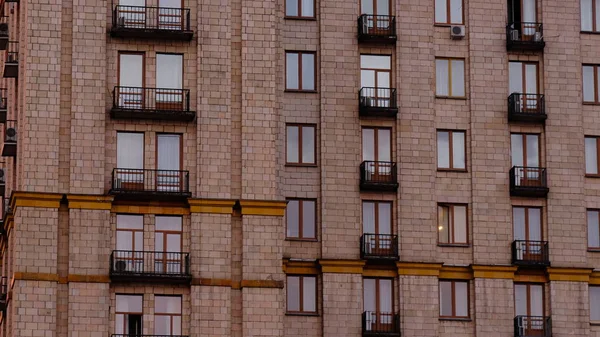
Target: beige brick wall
[[495, 307], [342, 304], [88, 314], [211, 245], [35, 240], [89, 242], [33, 311], [570, 309], [263, 311], [211, 311]]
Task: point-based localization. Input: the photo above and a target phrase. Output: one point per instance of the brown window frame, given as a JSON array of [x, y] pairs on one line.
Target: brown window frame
[[450, 59], [125, 314], [527, 222], [300, 149], [524, 149], [528, 285], [448, 16], [133, 231], [595, 210], [376, 130], [300, 83], [300, 16], [593, 175], [453, 293], [170, 315], [377, 292], [451, 150], [451, 225], [301, 295], [376, 214], [595, 29], [300, 237], [596, 87], [595, 322]]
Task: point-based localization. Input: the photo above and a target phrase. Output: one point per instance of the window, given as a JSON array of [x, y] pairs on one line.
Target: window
[[301, 294], [130, 161], [168, 162], [301, 218], [529, 301], [454, 299], [523, 80], [167, 240], [169, 80], [594, 304], [525, 150], [300, 71], [129, 240], [377, 144], [450, 77], [593, 221], [590, 15], [300, 9], [522, 16], [167, 315], [451, 150], [301, 144], [591, 156], [377, 228], [378, 297], [131, 80], [375, 78], [448, 12], [128, 315], [452, 224], [590, 84]]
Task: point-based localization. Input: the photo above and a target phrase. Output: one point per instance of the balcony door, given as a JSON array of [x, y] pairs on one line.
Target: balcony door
[[528, 233], [523, 15], [167, 245], [378, 18], [169, 81], [128, 315], [377, 228], [131, 81], [378, 305], [523, 80], [169, 176], [130, 161], [170, 14], [132, 14], [529, 305], [525, 150], [377, 153], [375, 80], [128, 256]]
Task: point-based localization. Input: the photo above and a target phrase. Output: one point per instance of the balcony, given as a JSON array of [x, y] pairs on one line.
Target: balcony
[[533, 326], [152, 104], [2, 182], [530, 253], [3, 32], [378, 176], [139, 183], [3, 105], [160, 23], [379, 29], [166, 267], [380, 324], [377, 102], [530, 108], [11, 60], [9, 147], [528, 182], [525, 36], [383, 247], [3, 292]]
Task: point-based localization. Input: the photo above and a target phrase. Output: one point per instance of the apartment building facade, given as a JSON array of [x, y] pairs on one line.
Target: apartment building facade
[[300, 168]]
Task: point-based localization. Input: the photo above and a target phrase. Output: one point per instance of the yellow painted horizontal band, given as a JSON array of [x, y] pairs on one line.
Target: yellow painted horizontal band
[[495, 272], [532, 278], [97, 202], [261, 284], [260, 207], [456, 273], [34, 199], [150, 209], [418, 269], [385, 273], [35, 276], [300, 267], [342, 266], [569, 274], [214, 206]]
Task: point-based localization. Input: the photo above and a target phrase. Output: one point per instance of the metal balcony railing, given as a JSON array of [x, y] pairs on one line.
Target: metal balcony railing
[[376, 102], [528, 181], [151, 22], [378, 175], [126, 264], [151, 103], [533, 326], [3, 292], [526, 107], [148, 181], [379, 246], [12, 52], [531, 253], [380, 323], [525, 36], [3, 32], [377, 28]]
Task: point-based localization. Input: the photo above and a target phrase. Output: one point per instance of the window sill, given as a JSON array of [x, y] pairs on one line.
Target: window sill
[[439, 24], [590, 33], [301, 240], [308, 314], [454, 245], [452, 170], [591, 103], [594, 250], [300, 165], [595, 323], [464, 98], [456, 319], [301, 91], [300, 18], [592, 175]]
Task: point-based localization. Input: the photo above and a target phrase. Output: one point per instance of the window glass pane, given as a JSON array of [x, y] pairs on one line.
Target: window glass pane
[[369, 294], [516, 144], [308, 218], [162, 325], [462, 299], [291, 7], [129, 303], [309, 294], [131, 70], [460, 224], [366, 6], [597, 15], [531, 78], [169, 73], [441, 78], [293, 293], [385, 296], [139, 241], [368, 217], [308, 144], [130, 151], [383, 7], [385, 218], [456, 11], [384, 143], [591, 155], [292, 216], [443, 149], [535, 224], [595, 303], [308, 71], [593, 229], [375, 62], [536, 300], [521, 300], [533, 147], [130, 221], [368, 142], [168, 223], [119, 320], [519, 223], [588, 84], [125, 240], [441, 11], [458, 150], [291, 71], [458, 78], [307, 8], [167, 304], [176, 326], [445, 298], [443, 224], [292, 144], [168, 151], [515, 77]]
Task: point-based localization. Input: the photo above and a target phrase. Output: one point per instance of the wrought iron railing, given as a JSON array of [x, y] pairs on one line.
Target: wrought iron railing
[[151, 18], [530, 252], [525, 32], [379, 246], [151, 99], [369, 97], [374, 26], [380, 323], [378, 172], [526, 105], [126, 180], [533, 326], [3, 98], [12, 52], [528, 177], [142, 263], [4, 26]]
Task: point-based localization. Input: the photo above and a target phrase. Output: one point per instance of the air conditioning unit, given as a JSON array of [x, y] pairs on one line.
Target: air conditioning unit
[[514, 35], [2, 176], [11, 135], [4, 29], [367, 101], [120, 265], [457, 31], [121, 21]]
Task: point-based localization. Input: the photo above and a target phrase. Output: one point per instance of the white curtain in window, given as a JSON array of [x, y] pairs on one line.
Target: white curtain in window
[[385, 299], [167, 304], [169, 75], [293, 293], [516, 144], [292, 144], [308, 219], [292, 216], [369, 295], [591, 156], [385, 218], [537, 300], [594, 303], [441, 11], [535, 224], [308, 144], [461, 297], [519, 223], [460, 224], [309, 294], [129, 303], [515, 77], [132, 2], [130, 150], [458, 150], [521, 300], [367, 6], [456, 11], [368, 142], [170, 15], [368, 217], [589, 88], [586, 15], [384, 145], [169, 152], [169, 3], [533, 157], [130, 70], [458, 78], [442, 78], [529, 16], [593, 230], [443, 149]]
